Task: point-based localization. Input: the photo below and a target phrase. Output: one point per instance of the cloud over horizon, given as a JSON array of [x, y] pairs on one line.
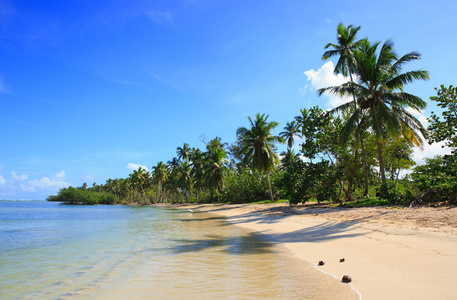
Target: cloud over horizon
[[17, 186]]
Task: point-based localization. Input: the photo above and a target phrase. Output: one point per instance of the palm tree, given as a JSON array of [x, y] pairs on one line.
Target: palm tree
[[291, 130], [140, 179], [172, 184], [380, 96], [197, 159], [185, 178], [183, 152], [215, 168], [288, 157], [160, 175], [345, 48], [258, 146], [347, 45]]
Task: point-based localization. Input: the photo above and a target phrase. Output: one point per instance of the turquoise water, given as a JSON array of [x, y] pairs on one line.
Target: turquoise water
[[54, 251]]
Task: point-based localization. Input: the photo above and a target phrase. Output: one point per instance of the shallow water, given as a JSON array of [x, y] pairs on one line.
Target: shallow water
[[53, 251]]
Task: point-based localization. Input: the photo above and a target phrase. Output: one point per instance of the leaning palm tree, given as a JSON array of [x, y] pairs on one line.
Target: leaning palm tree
[[258, 146], [345, 48], [380, 96]]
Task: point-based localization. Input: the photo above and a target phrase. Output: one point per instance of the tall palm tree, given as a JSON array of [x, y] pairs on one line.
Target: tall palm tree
[[345, 48], [258, 146], [347, 44], [160, 175], [380, 95], [291, 130]]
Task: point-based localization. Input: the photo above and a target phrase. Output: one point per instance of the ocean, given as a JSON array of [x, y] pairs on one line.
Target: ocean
[[53, 251]]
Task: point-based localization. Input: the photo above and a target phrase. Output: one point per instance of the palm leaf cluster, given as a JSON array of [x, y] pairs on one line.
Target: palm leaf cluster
[[380, 102]]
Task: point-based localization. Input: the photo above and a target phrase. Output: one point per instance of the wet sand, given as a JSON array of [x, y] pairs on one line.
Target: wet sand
[[389, 252]]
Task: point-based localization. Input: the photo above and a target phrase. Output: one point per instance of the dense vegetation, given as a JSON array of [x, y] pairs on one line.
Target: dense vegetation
[[352, 154]]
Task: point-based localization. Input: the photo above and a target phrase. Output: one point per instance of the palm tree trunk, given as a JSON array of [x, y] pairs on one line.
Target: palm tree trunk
[[364, 155], [365, 165], [269, 186], [381, 163]]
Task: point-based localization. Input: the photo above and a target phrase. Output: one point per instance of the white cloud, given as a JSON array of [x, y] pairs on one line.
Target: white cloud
[[18, 177], [44, 184], [428, 150], [18, 186], [324, 77], [60, 175], [133, 167]]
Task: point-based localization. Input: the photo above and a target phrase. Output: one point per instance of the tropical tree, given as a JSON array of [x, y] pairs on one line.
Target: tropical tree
[[183, 152], [159, 175], [215, 168], [291, 130], [258, 146], [288, 157], [185, 178], [445, 130], [345, 48], [198, 172], [382, 104], [172, 183], [140, 179]]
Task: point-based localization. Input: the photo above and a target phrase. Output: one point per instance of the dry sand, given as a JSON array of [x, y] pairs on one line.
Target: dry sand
[[390, 253]]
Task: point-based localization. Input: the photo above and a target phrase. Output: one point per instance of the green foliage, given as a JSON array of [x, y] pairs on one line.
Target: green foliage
[[74, 196], [445, 130], [388, 192], [303, 181], [397, 156], [245, 187], [437, 179]]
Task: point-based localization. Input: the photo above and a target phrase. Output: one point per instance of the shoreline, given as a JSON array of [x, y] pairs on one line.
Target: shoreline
[[389, 252]]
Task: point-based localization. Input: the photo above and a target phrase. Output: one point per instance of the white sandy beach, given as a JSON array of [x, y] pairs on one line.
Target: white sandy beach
[[389, 253]]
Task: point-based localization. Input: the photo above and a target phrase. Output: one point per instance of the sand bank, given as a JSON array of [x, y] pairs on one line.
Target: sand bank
[[389, 253]]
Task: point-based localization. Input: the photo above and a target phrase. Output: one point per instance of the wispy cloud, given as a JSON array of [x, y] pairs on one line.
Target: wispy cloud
[[162, 17], [3, 87], [14, 176]]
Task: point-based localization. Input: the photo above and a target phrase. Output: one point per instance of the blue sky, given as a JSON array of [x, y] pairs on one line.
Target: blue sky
[[89, 89]]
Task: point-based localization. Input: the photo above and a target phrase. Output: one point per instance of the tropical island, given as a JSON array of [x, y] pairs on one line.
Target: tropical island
[[356, 154]]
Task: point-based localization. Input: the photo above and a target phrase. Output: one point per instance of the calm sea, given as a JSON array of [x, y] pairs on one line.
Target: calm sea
[[54, 251]]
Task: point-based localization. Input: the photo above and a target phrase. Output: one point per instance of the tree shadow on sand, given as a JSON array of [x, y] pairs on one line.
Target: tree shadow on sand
[[252, 243]]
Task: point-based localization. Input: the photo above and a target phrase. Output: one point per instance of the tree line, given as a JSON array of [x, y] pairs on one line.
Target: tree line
[[352, 153]]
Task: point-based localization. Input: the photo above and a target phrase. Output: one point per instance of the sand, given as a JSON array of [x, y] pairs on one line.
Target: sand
[[390, 253]]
